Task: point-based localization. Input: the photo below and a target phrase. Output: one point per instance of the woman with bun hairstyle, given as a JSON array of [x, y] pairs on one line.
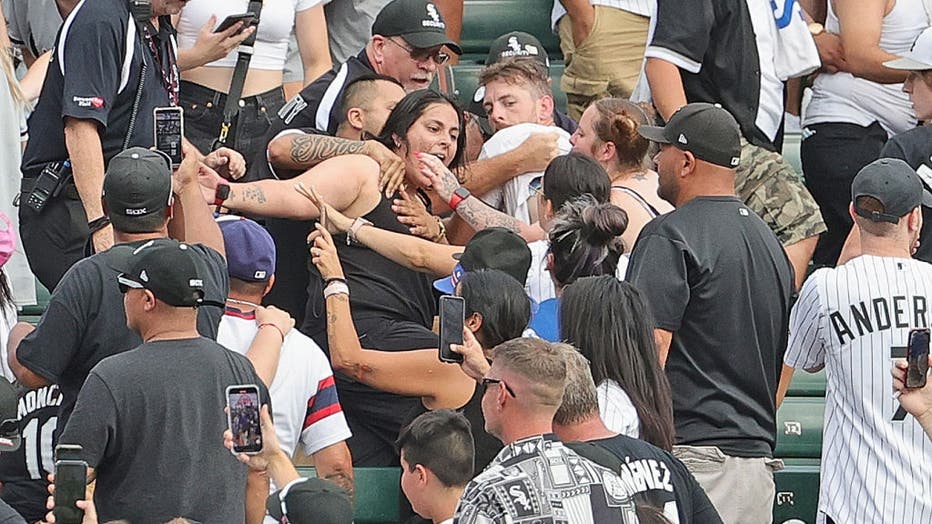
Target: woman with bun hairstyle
[[608, 132], [609, 322], [585, 240]]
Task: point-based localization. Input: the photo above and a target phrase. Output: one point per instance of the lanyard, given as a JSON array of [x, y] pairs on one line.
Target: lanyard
[[168, 68]]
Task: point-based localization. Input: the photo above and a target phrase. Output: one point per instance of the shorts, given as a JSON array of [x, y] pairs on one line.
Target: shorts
[[769, 185]]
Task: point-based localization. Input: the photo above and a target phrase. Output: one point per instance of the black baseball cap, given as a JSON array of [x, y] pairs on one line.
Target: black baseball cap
[[10, 436], [707, 131], [167, 268], [138, 183], [492, 248], [310, 501], [894, 184], [516, 44], [417, 21]]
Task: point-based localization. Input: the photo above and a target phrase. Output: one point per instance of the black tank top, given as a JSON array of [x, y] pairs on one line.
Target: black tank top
[[379, 288]]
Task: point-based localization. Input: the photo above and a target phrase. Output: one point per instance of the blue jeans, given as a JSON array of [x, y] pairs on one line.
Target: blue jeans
[[203, 114]]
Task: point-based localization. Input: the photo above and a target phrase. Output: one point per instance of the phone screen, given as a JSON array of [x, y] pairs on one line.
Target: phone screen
[[169, 128], [917, 355], [452, 312], [70, 486], [243, 402]]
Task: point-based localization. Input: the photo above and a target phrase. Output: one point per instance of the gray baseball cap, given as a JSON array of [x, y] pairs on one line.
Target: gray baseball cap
[[894, 184]]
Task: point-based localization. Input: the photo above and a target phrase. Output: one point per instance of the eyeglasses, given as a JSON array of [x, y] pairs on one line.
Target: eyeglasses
[[421, 55], [487, 381]]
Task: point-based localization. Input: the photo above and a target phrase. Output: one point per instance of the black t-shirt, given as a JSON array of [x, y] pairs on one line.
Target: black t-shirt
[[150, 420], [655, 475], [88, 78], [915, 148], [24, 472], [716, 52], [85, 321], [716, 276]]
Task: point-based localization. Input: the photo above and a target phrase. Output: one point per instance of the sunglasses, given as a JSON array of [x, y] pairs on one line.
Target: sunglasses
[[489, 381], [422, 55]]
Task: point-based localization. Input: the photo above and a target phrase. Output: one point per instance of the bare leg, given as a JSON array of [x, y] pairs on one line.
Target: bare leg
[[800, 253]]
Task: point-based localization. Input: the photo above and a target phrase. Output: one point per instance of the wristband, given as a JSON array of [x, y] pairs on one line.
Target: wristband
[[336, 288], [459, 195], [328, 281], [98, 223], [280, 332], [354, 229]]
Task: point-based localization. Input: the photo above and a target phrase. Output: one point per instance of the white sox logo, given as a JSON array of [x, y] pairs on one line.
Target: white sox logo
[[434, 18]]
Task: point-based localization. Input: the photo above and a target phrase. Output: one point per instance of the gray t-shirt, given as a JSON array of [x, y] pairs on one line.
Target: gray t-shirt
[[33, 24], [150, 421], [349, 26], [85, 321]]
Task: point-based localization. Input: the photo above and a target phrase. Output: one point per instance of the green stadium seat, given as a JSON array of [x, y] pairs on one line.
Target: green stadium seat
[[797, 492], [32, 313], [486, 20], [378, 492], [462, 79], [807, 384], [799, 427]]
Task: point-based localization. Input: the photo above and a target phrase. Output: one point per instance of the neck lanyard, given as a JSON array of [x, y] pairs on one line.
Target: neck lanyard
[[168, 68]]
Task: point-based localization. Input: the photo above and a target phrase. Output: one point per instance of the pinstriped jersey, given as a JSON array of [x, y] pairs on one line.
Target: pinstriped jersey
[[854, 319]]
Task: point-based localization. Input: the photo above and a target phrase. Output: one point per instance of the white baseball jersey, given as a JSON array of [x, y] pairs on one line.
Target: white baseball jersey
[[511, 198], [305, 406], [876, 459]]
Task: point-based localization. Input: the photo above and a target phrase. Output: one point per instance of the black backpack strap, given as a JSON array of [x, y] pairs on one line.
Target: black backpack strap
[[244, 56]]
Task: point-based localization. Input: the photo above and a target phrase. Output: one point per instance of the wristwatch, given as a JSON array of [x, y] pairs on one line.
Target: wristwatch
[[222, 194], [459, 195], [815, 28]]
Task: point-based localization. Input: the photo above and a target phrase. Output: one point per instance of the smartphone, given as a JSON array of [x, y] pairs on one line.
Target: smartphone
[[452, 315], [70, 484], [917, 356], [248, 19], [169, 128], [243, 401]]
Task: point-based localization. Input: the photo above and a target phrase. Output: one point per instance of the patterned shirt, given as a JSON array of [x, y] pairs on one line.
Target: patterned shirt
[[538, 479]]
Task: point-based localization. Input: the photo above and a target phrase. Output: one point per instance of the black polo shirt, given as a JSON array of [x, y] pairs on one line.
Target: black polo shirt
[[716, 51], [94, 74]]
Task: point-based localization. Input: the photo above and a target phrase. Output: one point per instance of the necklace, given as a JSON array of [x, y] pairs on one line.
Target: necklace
[[243, 302]]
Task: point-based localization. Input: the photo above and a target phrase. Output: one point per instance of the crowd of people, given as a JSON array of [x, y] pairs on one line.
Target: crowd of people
[[640, 275]]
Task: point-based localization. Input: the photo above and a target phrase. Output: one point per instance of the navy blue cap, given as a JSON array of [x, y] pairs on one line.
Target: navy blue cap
[[249, 247]]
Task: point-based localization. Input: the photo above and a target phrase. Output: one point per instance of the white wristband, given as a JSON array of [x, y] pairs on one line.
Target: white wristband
[[336, 288]]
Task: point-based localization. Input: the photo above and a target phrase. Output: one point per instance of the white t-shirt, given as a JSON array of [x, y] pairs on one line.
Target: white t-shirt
[[304, 396], [539, 285], [616, 409], [511, 198], [276, 22]]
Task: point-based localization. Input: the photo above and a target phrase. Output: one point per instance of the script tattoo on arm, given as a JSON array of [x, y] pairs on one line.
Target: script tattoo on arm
[[254, 194], [480, 215], [312, 149]]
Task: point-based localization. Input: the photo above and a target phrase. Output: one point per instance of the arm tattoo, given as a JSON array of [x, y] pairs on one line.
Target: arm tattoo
[[254, 194], [480, 215], [344, 481], [311, 149]]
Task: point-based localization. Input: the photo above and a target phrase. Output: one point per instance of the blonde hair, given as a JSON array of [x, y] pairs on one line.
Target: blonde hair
[[6, 64]]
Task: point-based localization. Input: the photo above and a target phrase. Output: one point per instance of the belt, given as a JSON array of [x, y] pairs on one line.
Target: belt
[[69, 191], [212, 97]]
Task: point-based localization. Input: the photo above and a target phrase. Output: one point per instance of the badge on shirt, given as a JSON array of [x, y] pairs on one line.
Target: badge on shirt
[[95, 102]]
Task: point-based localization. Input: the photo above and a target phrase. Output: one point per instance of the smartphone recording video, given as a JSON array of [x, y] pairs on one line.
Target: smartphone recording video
[[169, 130], [452, 313], [917, 356], [243, 404]]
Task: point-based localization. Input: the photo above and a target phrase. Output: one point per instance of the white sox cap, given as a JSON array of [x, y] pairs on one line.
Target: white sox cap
[[919, 57]]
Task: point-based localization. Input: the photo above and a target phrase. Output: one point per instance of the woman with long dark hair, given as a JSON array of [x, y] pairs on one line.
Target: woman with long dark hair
[[610, 323]]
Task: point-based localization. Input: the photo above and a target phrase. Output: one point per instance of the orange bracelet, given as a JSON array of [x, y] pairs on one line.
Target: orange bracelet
[[280, 332]]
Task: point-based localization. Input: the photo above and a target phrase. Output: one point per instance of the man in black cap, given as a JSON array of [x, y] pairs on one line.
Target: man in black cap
[[84, 321], [719, 286], [160, 406], [851, 320]]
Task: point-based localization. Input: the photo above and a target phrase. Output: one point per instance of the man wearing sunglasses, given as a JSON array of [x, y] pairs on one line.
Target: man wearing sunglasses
[[409, 43], [535, 478]]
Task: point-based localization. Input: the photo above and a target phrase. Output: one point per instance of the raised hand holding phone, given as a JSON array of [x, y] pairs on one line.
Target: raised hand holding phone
[[452, 317], [243, 417], [70, 484]]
